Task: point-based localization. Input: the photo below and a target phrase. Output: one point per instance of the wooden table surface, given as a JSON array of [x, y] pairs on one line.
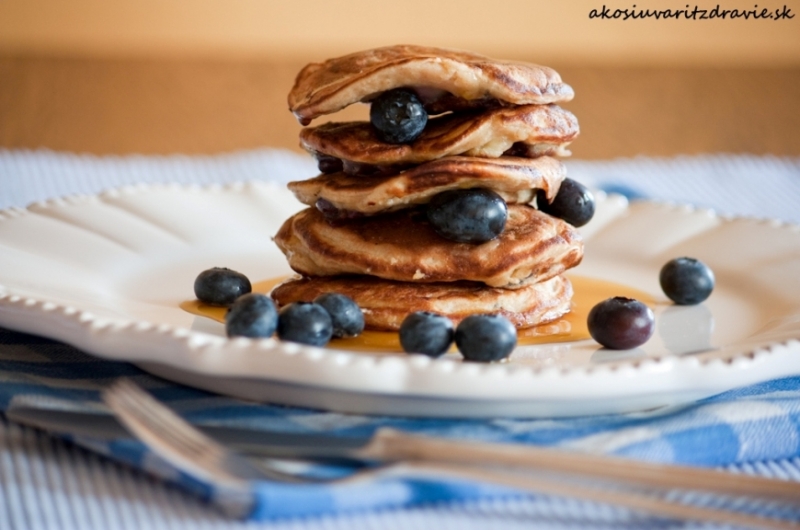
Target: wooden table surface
[[120, 106]]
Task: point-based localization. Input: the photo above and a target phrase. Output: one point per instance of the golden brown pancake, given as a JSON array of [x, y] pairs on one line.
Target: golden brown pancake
[[403, 246], [531, 130], [444, 79], [513, 178], [386, 303]]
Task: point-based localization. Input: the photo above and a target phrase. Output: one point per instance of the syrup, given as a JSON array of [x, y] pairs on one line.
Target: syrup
[[570, 327]]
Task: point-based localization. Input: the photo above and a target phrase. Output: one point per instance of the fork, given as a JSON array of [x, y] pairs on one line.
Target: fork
[[191, 451]]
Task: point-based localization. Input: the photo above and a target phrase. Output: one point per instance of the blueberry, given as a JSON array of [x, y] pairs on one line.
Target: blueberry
[[329, 164], [468, 216], [486, 338], [346, 316], [334, 214], [220, 286], [428, 333], [621, 323], [398, 116], [251, 315], [686, 281], [305, 323], [574, 203]]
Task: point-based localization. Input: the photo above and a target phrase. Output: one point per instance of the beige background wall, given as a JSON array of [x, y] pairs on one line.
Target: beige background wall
[[550, 31], [207, 76]]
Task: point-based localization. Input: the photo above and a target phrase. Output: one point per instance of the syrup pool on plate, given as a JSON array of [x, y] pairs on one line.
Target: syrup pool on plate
[[570, 327]]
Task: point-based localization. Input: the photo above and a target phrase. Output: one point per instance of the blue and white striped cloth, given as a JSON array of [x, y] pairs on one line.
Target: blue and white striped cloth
[[734, 429], [751, 428]]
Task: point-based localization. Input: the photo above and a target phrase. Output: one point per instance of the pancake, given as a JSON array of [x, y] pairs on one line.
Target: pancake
[[444, 79], [386, 303], [528, 130], [403, 246], [515, 179]]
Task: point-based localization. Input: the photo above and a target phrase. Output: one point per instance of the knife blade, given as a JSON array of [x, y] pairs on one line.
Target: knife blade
[[251, 442]]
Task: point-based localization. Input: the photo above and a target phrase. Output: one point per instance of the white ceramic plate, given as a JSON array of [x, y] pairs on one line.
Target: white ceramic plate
[[106, 274]]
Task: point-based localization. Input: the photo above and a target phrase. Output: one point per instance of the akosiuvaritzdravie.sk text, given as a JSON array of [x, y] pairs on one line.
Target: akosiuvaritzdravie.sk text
[[695, 13]]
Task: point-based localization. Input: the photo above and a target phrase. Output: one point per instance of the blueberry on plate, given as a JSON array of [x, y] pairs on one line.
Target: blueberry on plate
[[621, 323], [574, 203], [398, 116], [251, 315], [425, 332], [346, 316], [220, 286], [306, 323], [686, 281], [468, 216], [486, 338]]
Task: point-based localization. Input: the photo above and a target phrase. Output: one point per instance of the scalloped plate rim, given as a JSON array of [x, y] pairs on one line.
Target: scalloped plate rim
[[98, 335]]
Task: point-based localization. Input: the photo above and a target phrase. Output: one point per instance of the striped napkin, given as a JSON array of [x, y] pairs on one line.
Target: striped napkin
[[747, 429], [757, 425]]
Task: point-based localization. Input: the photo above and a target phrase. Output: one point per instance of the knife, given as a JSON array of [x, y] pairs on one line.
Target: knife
[[251, 442]]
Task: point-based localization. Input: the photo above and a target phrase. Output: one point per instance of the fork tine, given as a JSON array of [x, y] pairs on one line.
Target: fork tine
[[157, 426], [178, 442], [121, 396], [161, 418]]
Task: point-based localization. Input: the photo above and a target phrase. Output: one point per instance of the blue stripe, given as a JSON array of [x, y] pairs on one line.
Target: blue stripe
[[278, 501], [786, 384], [71, 371], [711, 445], [9, 390], [13, 337]]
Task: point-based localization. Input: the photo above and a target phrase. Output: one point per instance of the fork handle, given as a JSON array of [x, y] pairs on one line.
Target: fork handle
[[392, 445], [642, 503]]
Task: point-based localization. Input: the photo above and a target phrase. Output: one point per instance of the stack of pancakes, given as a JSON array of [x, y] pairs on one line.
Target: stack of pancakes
[[493, 124]]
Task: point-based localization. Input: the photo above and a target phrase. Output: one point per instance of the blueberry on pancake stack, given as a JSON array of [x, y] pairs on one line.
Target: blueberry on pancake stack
[[448, 200]]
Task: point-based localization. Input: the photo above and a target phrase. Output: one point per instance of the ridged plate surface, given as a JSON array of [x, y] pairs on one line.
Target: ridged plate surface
[[106, 273]]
